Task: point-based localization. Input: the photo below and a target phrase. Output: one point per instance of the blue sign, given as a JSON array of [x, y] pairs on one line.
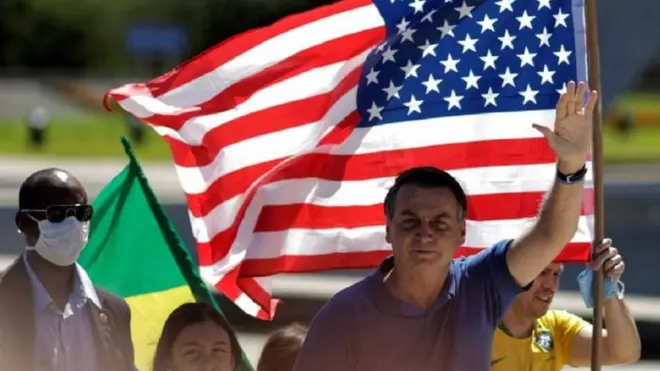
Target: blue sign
[[156, 39]]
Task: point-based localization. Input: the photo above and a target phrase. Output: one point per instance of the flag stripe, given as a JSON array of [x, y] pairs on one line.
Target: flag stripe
[[574, 252], [309, 113], [481, 208], [285, 82], [367, 238], [230, 63], [464, 130]]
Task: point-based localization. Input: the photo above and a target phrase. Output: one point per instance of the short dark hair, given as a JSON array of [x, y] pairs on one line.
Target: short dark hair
[[429, 177], [189, 314], [282, 348]]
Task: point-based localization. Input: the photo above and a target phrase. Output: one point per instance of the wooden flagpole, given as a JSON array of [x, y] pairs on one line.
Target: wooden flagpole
[[593, 56]]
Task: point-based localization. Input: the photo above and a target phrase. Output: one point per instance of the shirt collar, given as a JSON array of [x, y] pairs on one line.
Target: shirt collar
[[83, 289], [391, 305]]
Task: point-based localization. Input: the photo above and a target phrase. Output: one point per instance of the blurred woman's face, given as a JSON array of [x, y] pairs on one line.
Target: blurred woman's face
[[202, 347]]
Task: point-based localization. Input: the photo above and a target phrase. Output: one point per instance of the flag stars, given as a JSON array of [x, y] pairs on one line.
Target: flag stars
[[464, 10], [446, 29], [560, 19], [544, 4], [487, 24], [468, 43], [490, 97], [562, 55], [413, 105], [508, 78], [526, 58], [529, 95], [402, 26], [489, 60], [471, 80], [505, 5], [407, 35], [388, 55], [546, 75], [428, 17], [392, 91], [525, 21], [372, 77], [418, 5], [450, 64], [562, 90], [432, 84], [410, 69], [507, 40], [428, 49], [544, 37], [454, 100], [375, 112]]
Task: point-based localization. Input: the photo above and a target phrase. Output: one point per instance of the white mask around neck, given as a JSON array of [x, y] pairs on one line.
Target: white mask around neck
[[61, 243]]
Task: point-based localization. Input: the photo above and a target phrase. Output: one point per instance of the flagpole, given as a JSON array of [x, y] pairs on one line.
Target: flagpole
[[593, 56]]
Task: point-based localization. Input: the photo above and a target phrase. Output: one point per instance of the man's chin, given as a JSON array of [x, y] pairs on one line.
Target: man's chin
[[541, 310]]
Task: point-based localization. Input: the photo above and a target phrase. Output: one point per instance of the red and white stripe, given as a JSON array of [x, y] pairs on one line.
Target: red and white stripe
[[278, 178]]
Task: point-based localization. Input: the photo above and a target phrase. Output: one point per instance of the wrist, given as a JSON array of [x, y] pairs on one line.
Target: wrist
[[570, 167]]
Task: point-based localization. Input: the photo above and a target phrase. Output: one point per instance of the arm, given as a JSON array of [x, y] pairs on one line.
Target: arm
[[621, 342], [327, 343], [556, 225], [490, 269], [557, 221]]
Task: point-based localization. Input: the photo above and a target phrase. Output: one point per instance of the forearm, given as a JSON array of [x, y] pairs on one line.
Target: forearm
[[555, 227], [560, 213], [622, 343]]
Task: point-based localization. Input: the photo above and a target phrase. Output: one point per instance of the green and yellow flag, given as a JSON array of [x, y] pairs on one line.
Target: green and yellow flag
[[135, 252]]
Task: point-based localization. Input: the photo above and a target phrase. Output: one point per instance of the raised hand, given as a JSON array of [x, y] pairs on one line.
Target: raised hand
[[571, 137]]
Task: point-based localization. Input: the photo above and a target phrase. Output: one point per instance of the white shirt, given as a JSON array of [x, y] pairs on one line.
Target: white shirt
[[64, 340]]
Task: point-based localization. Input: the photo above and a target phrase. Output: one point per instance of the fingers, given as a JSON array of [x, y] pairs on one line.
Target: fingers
[[602, 252], [571, 103], [579, 97], [562, 105], [608, 259], [604, 245], [591, 104], [546, 131]]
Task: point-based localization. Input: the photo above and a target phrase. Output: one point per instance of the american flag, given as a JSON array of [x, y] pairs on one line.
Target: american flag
[[286, 138]]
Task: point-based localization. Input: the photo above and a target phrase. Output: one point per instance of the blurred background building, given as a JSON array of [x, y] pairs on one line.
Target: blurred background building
[[58, 57]]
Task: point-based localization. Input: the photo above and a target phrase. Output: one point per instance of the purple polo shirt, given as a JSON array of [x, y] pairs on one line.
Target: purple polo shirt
[[364, 328]]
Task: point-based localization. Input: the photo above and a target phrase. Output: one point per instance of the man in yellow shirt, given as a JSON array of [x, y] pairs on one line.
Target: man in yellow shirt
[[533, 338]]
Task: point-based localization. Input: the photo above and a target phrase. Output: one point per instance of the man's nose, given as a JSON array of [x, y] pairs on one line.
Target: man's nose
[[425, 232]]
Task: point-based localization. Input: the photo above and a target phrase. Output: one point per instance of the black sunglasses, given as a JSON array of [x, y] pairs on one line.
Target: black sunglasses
[[57, 213]]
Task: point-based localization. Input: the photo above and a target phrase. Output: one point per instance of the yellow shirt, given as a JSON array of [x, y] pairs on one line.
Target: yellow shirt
[[547, 349]]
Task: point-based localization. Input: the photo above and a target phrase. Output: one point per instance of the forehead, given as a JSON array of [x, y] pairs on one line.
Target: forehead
[[59, 189], [207, 331], [423, 200]]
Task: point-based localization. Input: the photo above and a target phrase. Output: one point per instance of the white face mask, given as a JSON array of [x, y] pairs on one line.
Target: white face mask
[[61, 243]]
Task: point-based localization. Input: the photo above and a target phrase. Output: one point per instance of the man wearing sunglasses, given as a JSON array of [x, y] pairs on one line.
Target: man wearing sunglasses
[[51, 315]]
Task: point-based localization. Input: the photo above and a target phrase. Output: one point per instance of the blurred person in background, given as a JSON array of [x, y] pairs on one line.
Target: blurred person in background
[[52, 317], [196, 337], [282, 348], [532, 337]]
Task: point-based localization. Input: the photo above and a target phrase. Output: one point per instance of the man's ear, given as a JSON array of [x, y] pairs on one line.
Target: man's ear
[[20, 222], [463, 228], [25, 225]]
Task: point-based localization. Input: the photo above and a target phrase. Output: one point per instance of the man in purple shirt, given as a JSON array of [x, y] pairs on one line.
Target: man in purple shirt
[[422, 310]]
